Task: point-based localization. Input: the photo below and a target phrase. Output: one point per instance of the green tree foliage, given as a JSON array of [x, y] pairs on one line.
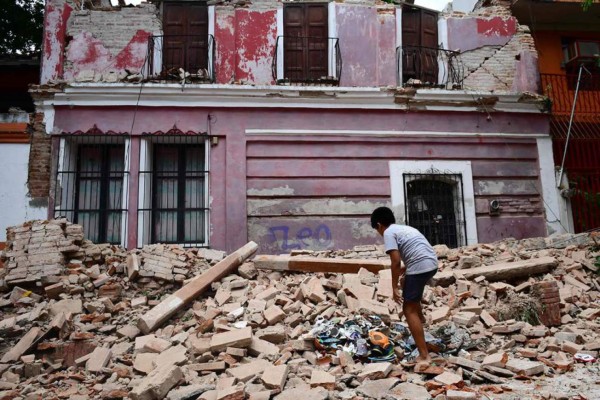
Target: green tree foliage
[[21, 27], [587, 4]]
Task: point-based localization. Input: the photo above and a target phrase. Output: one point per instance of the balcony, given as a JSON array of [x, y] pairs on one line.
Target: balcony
[[420, 66], [182, 58], [305, 60], [560, 89]]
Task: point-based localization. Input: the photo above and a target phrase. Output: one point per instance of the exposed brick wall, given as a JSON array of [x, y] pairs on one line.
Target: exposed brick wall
[[493, 67], [38, 178], [115, 28], [107, 45]]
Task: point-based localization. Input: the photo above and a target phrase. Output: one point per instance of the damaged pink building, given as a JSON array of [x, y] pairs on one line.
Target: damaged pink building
[[287, 123]]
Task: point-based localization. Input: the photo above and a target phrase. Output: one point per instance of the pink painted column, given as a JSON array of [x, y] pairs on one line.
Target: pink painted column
[[56, 15], [133, 194]]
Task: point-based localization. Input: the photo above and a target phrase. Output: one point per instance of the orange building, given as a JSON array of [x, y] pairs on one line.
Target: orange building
[[567, 39]]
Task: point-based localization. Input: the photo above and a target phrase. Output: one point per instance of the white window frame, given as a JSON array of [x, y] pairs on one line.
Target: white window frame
[[68, 151], [146, 191], [398, 168]]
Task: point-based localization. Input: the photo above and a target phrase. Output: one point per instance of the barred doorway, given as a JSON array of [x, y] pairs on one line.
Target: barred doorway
[[434, 205]]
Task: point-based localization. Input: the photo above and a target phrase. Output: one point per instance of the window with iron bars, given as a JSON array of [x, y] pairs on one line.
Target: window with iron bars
[[91, 183], [434, 205], [173, 206]]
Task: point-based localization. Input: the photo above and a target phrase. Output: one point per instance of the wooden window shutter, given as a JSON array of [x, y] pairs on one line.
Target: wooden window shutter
[[185, 43], [305, 41], [419, 44]]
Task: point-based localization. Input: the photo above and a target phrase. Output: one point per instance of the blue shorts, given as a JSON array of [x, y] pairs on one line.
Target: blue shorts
[[414, 285]]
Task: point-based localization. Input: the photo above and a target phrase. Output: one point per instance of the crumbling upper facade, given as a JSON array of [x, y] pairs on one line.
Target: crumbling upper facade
[[288, 122]]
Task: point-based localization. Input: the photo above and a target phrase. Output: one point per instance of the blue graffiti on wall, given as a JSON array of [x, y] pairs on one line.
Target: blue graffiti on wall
[[305, 238]]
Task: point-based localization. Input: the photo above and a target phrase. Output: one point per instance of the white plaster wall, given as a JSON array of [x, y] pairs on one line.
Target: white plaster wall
[[465, 6], [14, 202]]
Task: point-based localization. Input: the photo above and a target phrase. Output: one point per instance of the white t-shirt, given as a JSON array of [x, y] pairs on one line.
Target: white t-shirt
[[416, 252]]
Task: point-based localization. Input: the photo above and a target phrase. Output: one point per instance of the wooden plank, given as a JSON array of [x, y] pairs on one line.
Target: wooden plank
[[165, 309], [22, 346], [317, 187], [498, 272], [312, 264]]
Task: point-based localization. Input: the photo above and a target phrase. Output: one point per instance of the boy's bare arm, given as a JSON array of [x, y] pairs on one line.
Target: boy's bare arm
[[397, 273]]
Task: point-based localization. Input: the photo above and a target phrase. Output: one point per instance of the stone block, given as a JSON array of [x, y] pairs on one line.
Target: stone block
[[525, 367], [157, 384], [440, 314], [375, 371], [259, 346], [274, 314], [98, 359], [322, 379], [497, 359], [460, 395], [275, 377], [237, 338], [245, 372]]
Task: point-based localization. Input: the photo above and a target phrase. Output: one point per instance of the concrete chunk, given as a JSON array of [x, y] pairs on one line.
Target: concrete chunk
[[275, 377], [448, 378], [525, 367], [440, 314], [499, 272], [259, 346], [22, 346], [274, 314], [375, 371], [144, 362], [172, 356], [496, 360], [157, 384], [237, 338], [247, 371], [460, 395], [322, 379], [98, 359]]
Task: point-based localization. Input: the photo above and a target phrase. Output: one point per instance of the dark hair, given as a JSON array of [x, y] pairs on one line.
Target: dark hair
[[383, 216]]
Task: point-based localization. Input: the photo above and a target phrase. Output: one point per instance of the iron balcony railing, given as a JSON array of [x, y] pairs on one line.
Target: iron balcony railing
[[184, 58], [429, 67], [307, 60], [560, 89]]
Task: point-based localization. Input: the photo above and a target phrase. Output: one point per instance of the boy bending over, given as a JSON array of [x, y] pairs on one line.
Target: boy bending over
[[406, 243]]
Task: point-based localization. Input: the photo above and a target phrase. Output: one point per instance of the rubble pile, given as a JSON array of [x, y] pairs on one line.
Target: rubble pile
[[495, 330], [39, 251], [166, 263]]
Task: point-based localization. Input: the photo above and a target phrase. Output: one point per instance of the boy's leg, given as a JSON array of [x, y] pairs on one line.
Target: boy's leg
[[412, 312], [421, 316], [414, 285]]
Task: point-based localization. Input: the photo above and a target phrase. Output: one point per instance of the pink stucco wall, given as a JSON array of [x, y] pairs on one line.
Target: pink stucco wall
[[225, 39], [316, 192], [471, 33], [55, 25], [368, 45], [255, 36], [86, 53]]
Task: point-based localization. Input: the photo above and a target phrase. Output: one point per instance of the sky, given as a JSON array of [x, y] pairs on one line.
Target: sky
[[432, 4]]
